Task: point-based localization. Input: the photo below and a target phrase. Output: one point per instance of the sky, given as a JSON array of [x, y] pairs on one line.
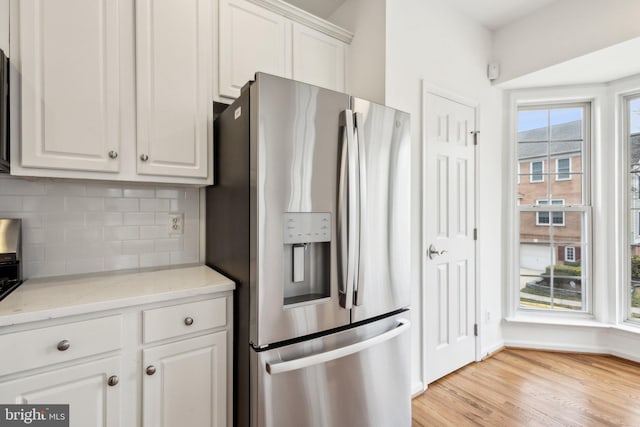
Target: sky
[[533, 119]]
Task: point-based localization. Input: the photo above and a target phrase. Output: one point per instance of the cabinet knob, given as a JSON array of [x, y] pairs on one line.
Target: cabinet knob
[[113, 380], [144, 157], [151, 370], [64, 345], [113, 154], [188, 321]]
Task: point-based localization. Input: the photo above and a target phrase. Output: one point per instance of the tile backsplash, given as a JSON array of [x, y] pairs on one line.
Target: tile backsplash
[[71, 227]]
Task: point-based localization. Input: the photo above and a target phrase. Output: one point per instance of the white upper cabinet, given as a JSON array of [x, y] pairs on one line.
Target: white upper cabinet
[[252, 39], [274, 37], [68, 58], [318, 59], [174, 45], [117, 86]]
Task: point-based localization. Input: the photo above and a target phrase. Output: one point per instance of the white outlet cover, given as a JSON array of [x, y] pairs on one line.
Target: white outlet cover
[[176, 223]]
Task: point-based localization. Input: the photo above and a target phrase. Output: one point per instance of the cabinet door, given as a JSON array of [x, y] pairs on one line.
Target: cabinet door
[[185, 383], [68, 56], [92, 401], [252, 39], [318, 59], [174, 51]]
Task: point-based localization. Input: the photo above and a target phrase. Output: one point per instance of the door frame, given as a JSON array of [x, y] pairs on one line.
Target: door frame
[[428, 88]]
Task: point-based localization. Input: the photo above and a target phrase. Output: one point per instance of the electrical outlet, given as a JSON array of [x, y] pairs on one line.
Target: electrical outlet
[[176, 223], [487, 316]]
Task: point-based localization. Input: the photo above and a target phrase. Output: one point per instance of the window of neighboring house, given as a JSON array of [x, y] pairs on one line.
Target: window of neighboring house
[[537, 172], [550, 218], [552, 233], [632, 134], [563, 169]]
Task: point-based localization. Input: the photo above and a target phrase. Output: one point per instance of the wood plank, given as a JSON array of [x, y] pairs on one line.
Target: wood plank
[[518, 387]]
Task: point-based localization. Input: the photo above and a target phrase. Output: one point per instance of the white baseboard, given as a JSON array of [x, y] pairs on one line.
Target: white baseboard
[[488, 351], [532, 345], [417, 389]]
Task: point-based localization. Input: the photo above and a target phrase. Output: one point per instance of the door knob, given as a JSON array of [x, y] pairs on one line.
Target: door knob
[[433, 252], [150, 370]]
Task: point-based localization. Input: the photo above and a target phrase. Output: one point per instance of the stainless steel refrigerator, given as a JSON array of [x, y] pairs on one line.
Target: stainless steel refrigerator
[[309, 214]]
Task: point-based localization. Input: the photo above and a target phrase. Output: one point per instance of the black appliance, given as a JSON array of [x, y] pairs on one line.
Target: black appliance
[[4, 112], [10, 255]]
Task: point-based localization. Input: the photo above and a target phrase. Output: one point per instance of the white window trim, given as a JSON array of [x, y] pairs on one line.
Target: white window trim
[[558, 169], [595, 299], [549, 203], [625, 269], [566, 253], [531, 172]]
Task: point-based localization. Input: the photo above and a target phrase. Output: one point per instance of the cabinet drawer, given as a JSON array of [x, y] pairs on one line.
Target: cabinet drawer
[[55, 344], [176, 320]]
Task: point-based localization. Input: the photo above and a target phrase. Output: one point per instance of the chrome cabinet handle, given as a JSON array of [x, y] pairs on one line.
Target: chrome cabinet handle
[[150, 370], [64, 345], [113, 380], [144, 157], [433, 252], [188, 321], [113, 154]]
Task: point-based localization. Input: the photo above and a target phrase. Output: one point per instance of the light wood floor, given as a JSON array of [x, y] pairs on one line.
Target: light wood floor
[[534, 388]]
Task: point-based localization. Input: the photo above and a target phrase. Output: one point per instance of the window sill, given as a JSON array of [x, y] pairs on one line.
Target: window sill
[[585, 322], [582, 321], [626, 327]]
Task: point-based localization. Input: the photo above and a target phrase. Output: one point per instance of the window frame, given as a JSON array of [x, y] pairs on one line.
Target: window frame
[[550, 223], [568, 178], [589, 105], [626, 300], [531, 180], [566, 253]]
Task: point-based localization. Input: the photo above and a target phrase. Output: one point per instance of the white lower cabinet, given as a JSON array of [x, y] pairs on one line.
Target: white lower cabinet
[[163, 364], [90, 389], [184, 383]]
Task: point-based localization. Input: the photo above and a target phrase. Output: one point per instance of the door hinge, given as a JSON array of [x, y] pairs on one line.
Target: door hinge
[[475, 136], [475, 329], [475, 234]]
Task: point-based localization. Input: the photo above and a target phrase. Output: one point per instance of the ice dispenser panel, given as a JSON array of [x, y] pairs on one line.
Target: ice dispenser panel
[[307, 246]]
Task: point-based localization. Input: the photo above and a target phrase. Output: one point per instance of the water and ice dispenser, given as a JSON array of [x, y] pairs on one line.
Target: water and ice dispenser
[[307, 245]]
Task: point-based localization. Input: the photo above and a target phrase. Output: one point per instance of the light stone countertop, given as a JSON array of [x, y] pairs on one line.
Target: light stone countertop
[[50, 298]]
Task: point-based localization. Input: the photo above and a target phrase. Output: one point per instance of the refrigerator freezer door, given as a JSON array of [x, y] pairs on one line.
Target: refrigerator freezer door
[[358, 377], [295, 132], [385, 188]]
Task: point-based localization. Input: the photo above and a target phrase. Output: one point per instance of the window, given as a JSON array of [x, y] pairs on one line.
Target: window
[[552, 233], [557, 218], [563, 169], [632, 134], [537, 172]]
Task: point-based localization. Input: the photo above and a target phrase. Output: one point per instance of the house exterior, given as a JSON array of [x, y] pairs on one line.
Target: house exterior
[[550, 173]]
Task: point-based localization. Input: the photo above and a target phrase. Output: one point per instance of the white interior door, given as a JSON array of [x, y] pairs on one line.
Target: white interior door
[[449, 245]]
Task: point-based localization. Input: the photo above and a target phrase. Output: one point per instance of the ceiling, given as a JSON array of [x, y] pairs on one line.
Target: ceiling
[[601, 66], [492, 14]]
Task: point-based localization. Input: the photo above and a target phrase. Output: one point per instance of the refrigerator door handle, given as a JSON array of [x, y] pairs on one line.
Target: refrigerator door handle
[[327, 356], [348, 225], [358, 288]]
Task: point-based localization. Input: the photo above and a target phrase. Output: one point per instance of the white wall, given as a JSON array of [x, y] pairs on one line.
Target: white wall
[[366, 59], [427, 39], [562, 31]]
